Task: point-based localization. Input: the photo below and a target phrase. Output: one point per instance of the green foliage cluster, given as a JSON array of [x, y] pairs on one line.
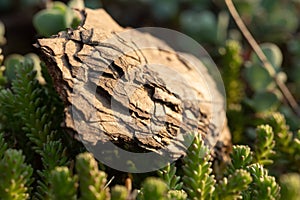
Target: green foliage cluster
[[16, 174], [287, 143], [266, 95], [38, 159], [197, 179], [25, 104], [245, 176]]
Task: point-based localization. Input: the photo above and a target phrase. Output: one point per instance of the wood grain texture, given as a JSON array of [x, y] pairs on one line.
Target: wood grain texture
[[131, 88]]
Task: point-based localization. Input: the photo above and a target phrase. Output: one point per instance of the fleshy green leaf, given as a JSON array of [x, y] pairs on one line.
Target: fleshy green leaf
[[264, 101], [258, 77], [12, 64], [273, 54], [49, 22]]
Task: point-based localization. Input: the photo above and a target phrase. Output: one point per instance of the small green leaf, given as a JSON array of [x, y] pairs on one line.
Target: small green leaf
[[273, 54], [12, 64], [264, 101], [202, 26], [258, 77], [49, 22]]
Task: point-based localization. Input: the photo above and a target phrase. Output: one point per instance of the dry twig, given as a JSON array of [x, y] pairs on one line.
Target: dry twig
[[252, 42]]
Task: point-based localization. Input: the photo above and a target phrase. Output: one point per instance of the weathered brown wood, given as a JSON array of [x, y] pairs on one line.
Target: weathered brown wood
[[150, 90]]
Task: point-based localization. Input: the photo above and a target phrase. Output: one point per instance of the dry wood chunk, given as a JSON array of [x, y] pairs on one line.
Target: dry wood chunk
[[131, 88]]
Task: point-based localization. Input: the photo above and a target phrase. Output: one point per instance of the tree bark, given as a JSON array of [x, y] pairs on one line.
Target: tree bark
[[114, 90]]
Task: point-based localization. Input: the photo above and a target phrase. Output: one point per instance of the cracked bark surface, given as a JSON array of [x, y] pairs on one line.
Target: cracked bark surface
[[130, 88]]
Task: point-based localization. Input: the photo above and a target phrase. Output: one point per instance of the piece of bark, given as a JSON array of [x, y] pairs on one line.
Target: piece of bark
[[111, 69]]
